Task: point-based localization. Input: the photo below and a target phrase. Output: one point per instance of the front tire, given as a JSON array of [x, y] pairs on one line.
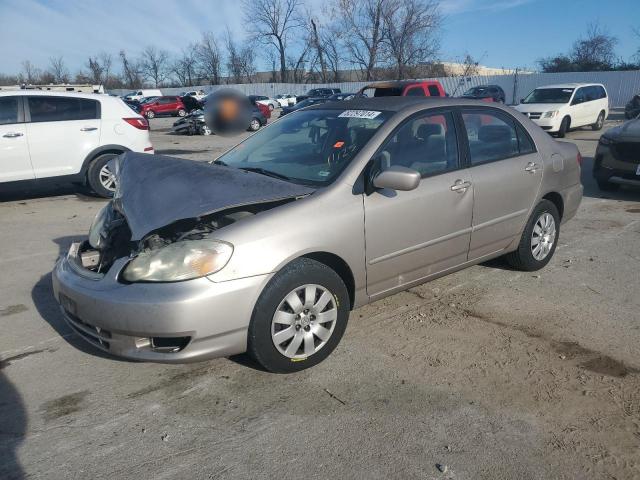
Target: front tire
[[539, 239], [101, 175], [599, 122], [564, 127], [299, 317], [182, 112]]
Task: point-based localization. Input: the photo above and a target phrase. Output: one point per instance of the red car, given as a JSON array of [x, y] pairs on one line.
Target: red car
[[266, 111], [409, 88], [163, 106]]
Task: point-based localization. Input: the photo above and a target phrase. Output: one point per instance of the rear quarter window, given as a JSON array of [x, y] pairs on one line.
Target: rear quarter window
[[60, 109], [9, 107]]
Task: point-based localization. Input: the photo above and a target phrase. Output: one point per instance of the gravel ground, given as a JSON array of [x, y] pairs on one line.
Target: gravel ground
[[488, 373]]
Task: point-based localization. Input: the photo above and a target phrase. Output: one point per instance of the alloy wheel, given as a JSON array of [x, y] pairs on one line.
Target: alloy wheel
[[304, 321], [107, 176], [543, 236]]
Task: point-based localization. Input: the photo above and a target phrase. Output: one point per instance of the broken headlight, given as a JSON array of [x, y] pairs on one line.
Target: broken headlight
[[182, 260], [97, 227]]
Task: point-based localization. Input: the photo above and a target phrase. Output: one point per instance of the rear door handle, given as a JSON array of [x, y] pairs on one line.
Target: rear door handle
[[532, 167], [460, 187], [88, 129], [12, 135]]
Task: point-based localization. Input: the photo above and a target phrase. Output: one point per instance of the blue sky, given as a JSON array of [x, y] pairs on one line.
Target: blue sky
[[499, 33]]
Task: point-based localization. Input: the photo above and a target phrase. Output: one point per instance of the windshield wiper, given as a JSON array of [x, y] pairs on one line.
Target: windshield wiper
[[268, 173]]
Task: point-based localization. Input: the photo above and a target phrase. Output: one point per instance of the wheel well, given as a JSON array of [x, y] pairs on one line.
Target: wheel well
[[339, 266], [556, 199]]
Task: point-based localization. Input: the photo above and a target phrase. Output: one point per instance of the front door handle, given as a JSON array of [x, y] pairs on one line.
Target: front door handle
[[532, 167], [88, 129], [12, 135], [460, 187]]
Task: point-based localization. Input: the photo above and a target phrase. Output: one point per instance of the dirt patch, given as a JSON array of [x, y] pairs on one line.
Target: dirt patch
[[64, 405], [633, 210], [12, 310], [9, 360], [177, 380]]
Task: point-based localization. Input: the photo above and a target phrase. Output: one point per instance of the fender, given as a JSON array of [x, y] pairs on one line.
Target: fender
[[97, 151]]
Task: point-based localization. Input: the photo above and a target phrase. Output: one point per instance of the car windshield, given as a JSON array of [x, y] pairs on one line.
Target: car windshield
[[549, 95], [477, 91], [311, 147]]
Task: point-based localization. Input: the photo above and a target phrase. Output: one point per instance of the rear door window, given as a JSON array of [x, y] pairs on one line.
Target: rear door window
[[434, 91], [415, 92], [491, 135], [60, 109], [9, 110]]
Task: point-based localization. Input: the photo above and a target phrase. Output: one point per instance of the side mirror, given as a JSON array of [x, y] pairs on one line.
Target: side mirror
[[397, 178], [522, 100]]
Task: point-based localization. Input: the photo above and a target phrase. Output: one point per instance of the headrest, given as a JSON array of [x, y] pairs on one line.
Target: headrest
[[494, 133], [427, 129]]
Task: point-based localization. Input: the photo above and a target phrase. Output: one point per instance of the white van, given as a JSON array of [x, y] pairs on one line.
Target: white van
[[558, 108], [139, 94], [67, 136]]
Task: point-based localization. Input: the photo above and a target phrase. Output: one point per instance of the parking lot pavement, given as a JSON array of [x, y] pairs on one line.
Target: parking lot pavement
[[496, 374]]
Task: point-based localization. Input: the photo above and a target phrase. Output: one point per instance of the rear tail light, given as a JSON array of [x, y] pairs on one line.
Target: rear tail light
[[138, 122], [148, 149], [579, 159]]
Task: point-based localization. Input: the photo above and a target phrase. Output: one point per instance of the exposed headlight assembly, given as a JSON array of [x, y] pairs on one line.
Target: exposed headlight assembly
[[551, 114], [102, 221], [178, 261]]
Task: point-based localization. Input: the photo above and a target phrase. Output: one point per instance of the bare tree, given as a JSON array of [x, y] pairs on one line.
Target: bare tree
[[130, 71], [209, 58], [272, 22], [248, 62], [155, 64], [412, 33], [58, 70], [31, 73], [362, 25], [185, 66], [319, 49], [596, 51], [234, 63]]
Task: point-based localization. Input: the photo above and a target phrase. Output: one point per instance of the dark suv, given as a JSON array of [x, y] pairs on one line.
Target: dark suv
[[488, 93], [318, 93]]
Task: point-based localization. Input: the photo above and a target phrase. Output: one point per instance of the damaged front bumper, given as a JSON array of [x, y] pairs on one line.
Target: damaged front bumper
[[162, 322]]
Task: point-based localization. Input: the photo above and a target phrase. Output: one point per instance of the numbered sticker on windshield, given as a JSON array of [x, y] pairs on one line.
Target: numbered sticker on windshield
[[359, 114]]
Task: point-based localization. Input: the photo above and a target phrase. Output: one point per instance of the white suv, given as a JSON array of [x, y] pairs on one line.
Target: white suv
[[67, 136], [557, 108]]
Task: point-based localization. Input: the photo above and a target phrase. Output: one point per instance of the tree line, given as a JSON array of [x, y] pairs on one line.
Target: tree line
[[595, 51], [379, 39]]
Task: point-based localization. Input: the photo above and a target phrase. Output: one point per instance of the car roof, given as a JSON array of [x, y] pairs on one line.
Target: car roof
[[48, 93], [397, 104], [571, 85], [400, 83]]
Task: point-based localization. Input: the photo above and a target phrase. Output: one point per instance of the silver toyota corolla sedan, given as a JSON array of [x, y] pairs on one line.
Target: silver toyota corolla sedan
[[267, 249]]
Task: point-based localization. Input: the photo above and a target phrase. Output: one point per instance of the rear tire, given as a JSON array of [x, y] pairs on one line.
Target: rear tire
[[271, 107], [255, 125], [322, 327], [599, 122], [542, 230], [182, 112], [100, 175], [564, 127], [150, 114], [607, 186]]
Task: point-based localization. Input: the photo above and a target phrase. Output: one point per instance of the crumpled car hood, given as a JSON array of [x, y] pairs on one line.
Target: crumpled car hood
[[156, 190]]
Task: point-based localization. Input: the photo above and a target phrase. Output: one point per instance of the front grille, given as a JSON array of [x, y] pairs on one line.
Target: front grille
[[96, 335], [627, 151], [534, 115]]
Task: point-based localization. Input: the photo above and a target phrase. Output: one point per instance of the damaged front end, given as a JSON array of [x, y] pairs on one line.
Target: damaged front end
[[183, 250], [164, 213]]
